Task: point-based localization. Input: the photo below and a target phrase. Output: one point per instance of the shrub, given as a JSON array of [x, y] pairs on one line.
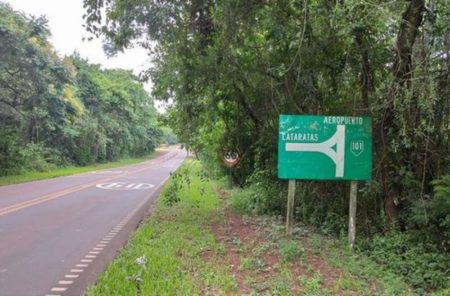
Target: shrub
[[422, 265], [429, 216], [262, 195], [36, 157], [177, 182], [9, 152], [291, 250]]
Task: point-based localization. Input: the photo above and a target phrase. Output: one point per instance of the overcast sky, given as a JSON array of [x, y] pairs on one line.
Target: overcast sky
[[65, 23]]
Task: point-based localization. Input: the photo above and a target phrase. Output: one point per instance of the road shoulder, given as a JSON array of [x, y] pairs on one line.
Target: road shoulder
[[195, 243]]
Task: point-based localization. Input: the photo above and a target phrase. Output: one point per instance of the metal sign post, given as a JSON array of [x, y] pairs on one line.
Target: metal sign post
[[352, 213], [312, 147], [290, 208]]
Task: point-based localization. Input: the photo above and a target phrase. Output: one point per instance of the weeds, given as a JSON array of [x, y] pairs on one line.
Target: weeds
[[164, 256], [291, 250], [312, 286], [176, 251]]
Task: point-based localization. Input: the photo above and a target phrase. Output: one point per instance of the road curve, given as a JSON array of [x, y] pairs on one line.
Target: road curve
[[57, 234]]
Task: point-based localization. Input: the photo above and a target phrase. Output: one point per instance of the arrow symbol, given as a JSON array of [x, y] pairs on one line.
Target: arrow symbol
[[336, 155]]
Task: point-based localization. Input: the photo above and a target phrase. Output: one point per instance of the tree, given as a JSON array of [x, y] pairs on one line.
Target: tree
[[32, 79], [120, 117], [56, 111], [232, 67]]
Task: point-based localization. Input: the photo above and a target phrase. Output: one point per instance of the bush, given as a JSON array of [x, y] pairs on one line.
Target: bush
[[291, 250], [261, 196], [440, 209], [245, 201], [429, 216], [422, 265], [9, 152], [178, 181], [32, 157], [36, 157]]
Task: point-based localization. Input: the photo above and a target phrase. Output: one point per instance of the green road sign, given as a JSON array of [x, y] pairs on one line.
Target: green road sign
[[325, 147]]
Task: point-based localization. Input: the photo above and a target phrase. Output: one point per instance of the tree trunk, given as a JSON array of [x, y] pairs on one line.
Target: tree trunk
[[411, 21], [406, 37]]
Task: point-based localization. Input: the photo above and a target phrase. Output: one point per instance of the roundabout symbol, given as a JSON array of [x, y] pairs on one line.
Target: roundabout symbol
[[125, 186]]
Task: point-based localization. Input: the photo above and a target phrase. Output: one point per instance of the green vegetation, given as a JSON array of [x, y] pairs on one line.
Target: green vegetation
[[57, 112], [164, 257], [66, 171], [356, 263], [422, 266], [395, 258], [196, 246], [291, 250], [232, 67]]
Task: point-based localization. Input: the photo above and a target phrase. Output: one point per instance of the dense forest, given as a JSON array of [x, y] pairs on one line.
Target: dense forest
[[65, 111], [232, 67]]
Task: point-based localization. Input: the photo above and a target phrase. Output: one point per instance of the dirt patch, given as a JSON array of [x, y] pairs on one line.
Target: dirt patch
[[240, 237], [252, 252], [226, 235], [207, 255]]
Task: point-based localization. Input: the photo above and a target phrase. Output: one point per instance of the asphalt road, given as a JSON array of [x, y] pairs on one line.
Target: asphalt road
[[57, 234]]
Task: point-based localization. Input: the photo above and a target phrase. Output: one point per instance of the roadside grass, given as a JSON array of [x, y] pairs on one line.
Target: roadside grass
[[72, 170], [339, 255], [312, 264], [194, 244], [172, 246], [309, 263]]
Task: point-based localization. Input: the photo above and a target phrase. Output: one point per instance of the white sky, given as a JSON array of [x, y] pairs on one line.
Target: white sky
[[65, 23]]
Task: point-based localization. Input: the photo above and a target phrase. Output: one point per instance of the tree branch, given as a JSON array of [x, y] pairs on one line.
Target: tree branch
[[12, 107]]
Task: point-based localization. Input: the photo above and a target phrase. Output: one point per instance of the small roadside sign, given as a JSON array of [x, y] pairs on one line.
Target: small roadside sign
[[231, 158]]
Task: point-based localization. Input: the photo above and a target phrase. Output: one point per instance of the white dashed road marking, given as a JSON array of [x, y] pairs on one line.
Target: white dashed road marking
[[103, 242], [65, 282]]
